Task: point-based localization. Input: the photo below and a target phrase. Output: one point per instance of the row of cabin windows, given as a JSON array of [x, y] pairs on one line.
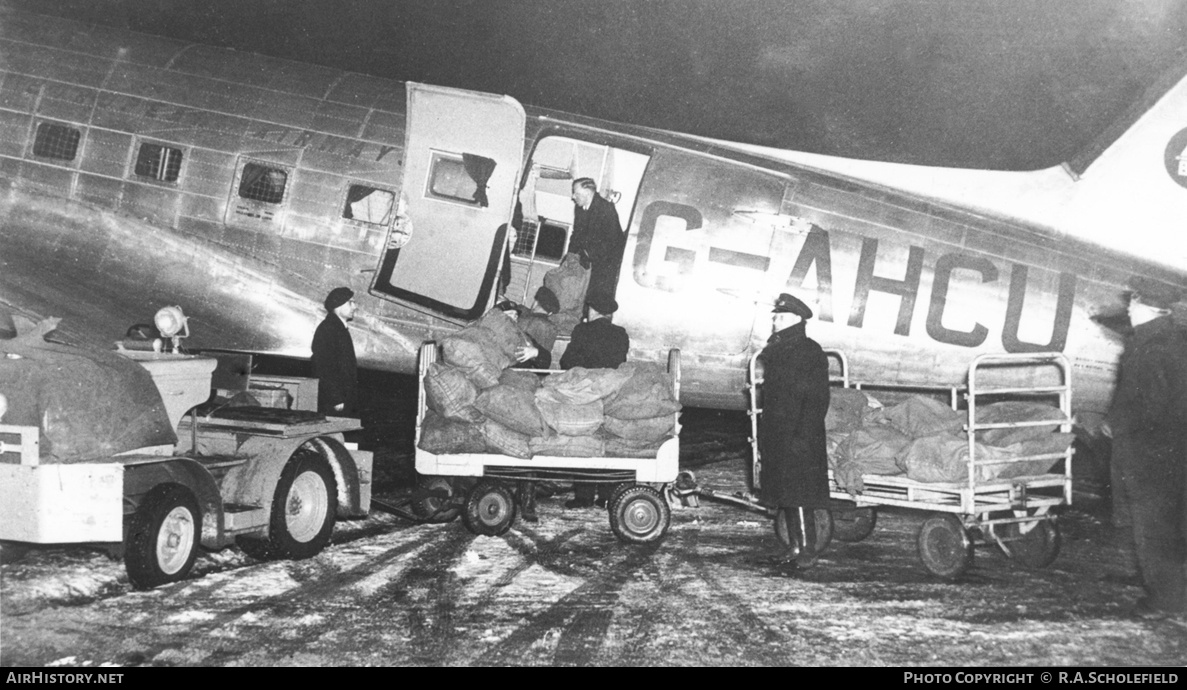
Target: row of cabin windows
[[258, 182], [452, 178]]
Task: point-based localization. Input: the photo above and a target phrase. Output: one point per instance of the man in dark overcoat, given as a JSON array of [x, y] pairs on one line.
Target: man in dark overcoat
[[1148, 423], [791, 435], [334, 362], [598, 343], [598, 235]]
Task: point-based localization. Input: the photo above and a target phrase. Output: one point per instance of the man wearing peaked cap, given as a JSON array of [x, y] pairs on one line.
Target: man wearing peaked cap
[[791, 435], [334, 361], [790, 304], [1148, 423]]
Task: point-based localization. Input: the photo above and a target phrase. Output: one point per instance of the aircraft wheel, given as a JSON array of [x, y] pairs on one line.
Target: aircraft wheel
[[944, 546], [824, 528], [163, 537], [490, 509], [1037, 548], [853, 524], [437, 509], [639, 515]]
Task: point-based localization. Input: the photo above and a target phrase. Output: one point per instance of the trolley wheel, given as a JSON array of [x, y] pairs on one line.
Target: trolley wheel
[[853, 524], [824, 529], [163, 536], [944, 546], [490, 509], [615, 493], [1037, 548], [639, 515], [435, 509]]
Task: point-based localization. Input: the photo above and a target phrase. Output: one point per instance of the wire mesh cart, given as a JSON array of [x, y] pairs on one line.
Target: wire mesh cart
[[1017, 514]]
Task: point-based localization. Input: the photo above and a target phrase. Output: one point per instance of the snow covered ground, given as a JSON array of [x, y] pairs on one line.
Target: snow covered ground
[[566, 592]]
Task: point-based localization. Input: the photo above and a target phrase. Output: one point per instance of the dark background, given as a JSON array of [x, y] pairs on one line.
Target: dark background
[[1008, 84]]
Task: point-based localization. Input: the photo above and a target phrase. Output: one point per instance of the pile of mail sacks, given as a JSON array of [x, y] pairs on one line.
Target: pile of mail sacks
[[924, 439], [478, 404]]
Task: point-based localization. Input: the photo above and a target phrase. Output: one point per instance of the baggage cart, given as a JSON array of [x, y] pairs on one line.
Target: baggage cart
[[1017, 514], [477, 485]]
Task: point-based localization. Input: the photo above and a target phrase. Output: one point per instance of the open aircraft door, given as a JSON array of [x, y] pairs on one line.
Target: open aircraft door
[[462, 156]]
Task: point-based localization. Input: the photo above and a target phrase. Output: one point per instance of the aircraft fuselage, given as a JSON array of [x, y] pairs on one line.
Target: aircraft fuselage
[[139, 172]]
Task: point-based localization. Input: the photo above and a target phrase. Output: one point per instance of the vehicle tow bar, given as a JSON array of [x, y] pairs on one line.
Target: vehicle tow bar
[[687, 490]]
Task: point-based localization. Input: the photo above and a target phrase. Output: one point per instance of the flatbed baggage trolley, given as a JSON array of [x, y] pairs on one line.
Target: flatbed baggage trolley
[[1014, 513], [474, 485]]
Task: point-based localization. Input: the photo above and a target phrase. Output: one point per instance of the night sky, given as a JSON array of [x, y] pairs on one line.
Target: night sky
[[1008, 84]]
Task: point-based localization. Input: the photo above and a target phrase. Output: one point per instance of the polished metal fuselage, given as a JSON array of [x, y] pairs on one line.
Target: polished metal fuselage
[[910, 289]]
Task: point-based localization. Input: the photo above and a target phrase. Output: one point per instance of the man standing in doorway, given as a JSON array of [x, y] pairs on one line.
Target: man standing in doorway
[[791, 434], [1148, 424], [597, 236], [334, 362]]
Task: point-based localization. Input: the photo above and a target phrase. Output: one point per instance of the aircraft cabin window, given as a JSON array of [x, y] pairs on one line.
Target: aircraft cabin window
[[56, 141], [547, 239], [369, 205], [262, 183], [158, 162], [460, 178]]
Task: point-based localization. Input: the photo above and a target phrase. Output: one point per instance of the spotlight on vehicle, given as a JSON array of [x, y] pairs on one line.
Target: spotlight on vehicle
[[173, 324]]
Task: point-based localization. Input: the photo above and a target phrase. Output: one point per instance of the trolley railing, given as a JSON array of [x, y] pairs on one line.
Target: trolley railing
[[753, 386], [973, 495], [1063, 390]]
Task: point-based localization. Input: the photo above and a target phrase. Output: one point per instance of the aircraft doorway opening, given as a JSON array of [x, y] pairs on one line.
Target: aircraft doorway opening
[[544, 233]]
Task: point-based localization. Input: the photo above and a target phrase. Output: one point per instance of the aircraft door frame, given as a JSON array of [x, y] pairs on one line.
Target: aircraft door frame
[[462, 158], [616, 164]]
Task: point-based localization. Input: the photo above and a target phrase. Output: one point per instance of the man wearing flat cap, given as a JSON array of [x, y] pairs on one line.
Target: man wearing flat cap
[[791, 436], [598, 343], [334, 362], [1148, 423]]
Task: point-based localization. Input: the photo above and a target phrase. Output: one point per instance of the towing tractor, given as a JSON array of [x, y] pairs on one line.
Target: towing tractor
[[271, 479]]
